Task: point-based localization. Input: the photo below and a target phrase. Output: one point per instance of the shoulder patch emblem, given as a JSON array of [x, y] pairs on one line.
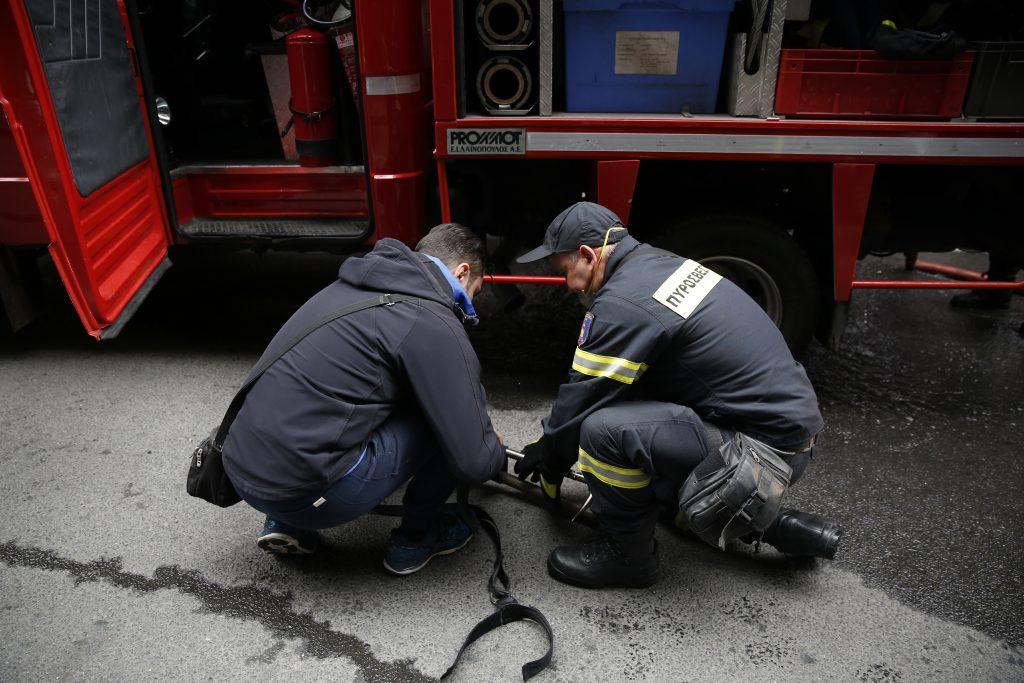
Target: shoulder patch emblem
[[588, 320], [684, 289]]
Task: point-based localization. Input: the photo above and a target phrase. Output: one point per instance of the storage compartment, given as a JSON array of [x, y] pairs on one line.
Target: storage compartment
[[997, 87], [863, 84], [221, 67], [504, 56], [658, 57], [238, 163], [750, 78]]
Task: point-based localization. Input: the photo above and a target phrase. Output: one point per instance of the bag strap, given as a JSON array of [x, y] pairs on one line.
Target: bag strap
[[270, 359], [715, 437], [506, 608]]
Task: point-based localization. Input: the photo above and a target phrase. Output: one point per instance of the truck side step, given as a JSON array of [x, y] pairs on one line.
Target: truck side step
[[276, 228]]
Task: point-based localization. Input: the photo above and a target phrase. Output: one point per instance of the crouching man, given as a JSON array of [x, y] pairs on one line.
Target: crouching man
[[372, 400], [673, 362]]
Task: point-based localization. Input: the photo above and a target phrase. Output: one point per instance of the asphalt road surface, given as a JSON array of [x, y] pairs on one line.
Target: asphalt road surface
[[109, 571]]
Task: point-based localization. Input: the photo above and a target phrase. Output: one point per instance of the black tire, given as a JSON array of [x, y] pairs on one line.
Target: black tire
[[759, 257]]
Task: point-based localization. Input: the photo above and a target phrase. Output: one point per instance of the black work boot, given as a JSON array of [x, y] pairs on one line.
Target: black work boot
[[604, 562], [981, 298], [803, 533]]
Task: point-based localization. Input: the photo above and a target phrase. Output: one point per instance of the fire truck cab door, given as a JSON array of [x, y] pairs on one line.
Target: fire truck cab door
[[90, 153]]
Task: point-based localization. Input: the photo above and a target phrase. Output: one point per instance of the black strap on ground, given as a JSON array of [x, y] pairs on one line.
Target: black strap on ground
[[506, 608]]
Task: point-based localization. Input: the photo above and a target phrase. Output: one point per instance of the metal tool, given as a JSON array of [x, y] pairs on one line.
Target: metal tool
[[572, 474], [583, 508], [583, 514]]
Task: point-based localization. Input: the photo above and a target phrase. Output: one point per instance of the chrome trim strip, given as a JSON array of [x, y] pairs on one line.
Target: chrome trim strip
[[232, 168], [789, 145], [392, 85]]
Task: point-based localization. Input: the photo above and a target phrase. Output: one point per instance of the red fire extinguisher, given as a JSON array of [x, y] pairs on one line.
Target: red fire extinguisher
[[313, 103]]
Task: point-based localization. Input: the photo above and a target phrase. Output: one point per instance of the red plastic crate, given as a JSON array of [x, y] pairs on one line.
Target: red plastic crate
[[863, 84]]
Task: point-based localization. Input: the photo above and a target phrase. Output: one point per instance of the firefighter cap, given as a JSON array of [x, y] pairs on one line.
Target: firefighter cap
[[582, 223]]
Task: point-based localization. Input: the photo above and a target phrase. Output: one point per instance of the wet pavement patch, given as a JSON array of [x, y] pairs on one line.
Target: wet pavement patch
[[273, 611]]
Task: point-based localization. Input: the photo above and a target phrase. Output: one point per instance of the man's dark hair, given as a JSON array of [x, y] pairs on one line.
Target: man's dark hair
[[455, 244]]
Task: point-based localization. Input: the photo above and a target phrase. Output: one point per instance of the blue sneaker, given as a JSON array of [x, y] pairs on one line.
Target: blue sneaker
[[278, 537], [403, 556]]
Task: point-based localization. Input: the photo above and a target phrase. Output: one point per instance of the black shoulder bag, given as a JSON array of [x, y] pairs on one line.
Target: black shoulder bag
[[737, 489], [206, 476]]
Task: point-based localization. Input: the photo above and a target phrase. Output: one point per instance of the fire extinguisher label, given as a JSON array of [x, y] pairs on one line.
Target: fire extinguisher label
[[487, 141]]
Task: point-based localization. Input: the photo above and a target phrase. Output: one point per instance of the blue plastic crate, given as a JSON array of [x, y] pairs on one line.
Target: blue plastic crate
[[661, 56]]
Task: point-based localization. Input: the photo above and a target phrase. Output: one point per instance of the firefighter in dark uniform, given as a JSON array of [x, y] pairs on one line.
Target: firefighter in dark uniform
[[672, 359]]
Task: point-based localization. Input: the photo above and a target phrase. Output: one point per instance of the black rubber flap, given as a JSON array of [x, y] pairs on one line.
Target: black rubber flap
[[89, 73]]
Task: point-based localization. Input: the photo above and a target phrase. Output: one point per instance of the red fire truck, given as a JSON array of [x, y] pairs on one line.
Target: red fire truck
[[329, 128]]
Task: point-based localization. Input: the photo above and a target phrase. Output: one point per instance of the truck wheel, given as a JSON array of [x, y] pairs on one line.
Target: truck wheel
[[759, 257]]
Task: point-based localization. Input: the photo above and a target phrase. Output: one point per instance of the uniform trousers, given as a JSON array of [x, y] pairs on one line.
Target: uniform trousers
[[636, 455]]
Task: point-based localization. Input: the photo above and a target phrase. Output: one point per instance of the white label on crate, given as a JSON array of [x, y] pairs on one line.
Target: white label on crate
[[684, 289], [486, 141], [646, 52]]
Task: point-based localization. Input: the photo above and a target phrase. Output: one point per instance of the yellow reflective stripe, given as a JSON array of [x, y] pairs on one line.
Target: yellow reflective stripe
[[628, 364], [619, 369], [625, 471], [622, 477], [549, 489], [602, 373]]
